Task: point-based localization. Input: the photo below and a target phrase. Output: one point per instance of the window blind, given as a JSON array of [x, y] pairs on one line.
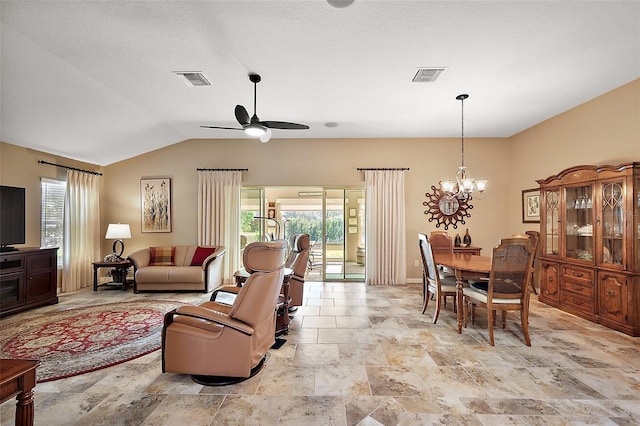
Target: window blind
[[52, 214]]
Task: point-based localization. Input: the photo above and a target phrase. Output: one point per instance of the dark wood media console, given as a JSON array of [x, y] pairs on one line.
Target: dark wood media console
[[28, 278]]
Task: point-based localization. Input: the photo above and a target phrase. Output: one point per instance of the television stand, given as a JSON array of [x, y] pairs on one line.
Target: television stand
[[4, 249], [28, 278]]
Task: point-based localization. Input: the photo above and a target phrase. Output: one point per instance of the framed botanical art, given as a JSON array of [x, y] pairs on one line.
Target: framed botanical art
[[155, 199], [531, 206]]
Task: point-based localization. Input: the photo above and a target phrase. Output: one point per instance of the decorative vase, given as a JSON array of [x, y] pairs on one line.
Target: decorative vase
[[457, 241], [467, 238]]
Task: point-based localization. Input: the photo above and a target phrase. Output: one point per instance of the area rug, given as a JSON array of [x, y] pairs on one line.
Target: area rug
[[81, 340]]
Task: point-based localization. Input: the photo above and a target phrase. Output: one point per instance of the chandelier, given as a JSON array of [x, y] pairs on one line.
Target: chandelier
[[464, 186]]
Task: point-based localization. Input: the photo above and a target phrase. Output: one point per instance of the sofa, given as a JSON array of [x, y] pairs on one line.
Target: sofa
[[177, 268]]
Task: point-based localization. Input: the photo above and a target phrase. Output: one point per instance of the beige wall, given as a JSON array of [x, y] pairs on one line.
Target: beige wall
[[329, 162], [19, 167], [605, 130], [602, 131]]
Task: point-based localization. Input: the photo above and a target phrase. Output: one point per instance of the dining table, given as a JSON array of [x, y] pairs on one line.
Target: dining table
[[465, 266]]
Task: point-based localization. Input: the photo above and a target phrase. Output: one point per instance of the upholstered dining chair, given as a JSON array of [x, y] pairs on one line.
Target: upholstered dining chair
[[222, 346], [432, 283], [507, 288]]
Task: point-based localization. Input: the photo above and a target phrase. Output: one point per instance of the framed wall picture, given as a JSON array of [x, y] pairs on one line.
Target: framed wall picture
[[353, 229], [353, 221], [352, 212], [531, 206], [155, 199]]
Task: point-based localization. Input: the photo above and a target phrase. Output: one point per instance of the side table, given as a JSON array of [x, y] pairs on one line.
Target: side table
[[120, 267], [18, 378], [468, 250]]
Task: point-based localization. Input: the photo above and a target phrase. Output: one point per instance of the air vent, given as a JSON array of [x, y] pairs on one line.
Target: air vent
[[426, 75], [192, 78]]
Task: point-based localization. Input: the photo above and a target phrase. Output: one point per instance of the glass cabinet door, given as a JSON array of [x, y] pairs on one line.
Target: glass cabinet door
[[579, 223], [551, 223], [612, 223]]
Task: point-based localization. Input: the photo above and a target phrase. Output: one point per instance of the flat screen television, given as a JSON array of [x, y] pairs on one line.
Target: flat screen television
[[12, 217]]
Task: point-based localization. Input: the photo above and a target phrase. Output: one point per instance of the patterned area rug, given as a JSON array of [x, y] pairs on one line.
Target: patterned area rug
[[81, 340]]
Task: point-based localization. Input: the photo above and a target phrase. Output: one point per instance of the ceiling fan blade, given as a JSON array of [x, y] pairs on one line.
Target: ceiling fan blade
[[284, 125], [224, 128], [242, 116]]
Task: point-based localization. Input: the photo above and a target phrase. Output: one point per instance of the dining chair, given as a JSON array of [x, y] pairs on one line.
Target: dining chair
[[441, 242], [507, 288], [432, 283], [534, 237]]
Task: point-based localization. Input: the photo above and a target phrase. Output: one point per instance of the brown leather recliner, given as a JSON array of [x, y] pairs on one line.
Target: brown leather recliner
[[298, 261], [218, 347]]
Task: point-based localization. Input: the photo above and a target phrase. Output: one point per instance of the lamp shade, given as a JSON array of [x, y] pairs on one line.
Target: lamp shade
[[118, 231]]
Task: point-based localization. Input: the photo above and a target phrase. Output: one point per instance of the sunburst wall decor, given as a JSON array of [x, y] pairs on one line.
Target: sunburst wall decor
[[445, 210]]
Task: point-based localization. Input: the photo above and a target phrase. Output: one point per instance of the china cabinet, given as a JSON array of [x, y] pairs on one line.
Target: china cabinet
[[590, 237]]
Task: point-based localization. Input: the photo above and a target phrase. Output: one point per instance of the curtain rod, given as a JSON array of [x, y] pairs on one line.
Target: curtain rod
[[70, 168], [222, 170], [383, 168]]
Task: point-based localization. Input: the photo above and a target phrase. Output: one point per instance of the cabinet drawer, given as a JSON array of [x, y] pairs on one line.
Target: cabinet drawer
[[577, 302], [575, 273], [11, 263], [578, 287]]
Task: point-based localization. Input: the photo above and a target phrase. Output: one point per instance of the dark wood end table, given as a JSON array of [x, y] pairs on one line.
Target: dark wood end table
[[120, 266], [18, 378]]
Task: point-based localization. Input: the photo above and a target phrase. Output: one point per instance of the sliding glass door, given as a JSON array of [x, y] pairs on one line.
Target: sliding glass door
[[333, 218], [344, 234]]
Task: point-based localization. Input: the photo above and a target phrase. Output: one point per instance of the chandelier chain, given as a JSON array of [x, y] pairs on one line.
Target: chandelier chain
[[462, 127]]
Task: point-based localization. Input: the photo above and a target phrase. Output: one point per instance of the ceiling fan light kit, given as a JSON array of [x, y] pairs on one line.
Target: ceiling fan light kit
[[255, 130], [340, 4], [253, 126], [266, 137]]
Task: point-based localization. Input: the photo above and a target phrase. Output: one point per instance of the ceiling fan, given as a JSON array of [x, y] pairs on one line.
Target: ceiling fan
[[253, 126]]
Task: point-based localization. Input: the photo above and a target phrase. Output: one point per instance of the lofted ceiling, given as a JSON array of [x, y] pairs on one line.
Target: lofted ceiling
[[94, 81]]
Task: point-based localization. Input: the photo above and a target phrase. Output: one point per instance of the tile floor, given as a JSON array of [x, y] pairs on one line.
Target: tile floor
[[359, 355]]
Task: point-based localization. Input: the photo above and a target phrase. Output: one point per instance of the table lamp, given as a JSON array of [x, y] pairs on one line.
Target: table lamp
[[118, 231]]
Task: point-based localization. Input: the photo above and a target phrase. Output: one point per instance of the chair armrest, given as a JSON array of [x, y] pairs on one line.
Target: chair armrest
[[140, 258], [230, 291], [221, 250], [213, 316]]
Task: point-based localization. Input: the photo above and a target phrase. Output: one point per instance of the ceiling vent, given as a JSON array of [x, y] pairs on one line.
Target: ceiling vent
[[426, 75], [192, 78]]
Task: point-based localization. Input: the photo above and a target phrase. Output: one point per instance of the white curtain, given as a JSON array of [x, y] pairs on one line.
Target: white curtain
[[81, 240], [385, 227], [219, 215]]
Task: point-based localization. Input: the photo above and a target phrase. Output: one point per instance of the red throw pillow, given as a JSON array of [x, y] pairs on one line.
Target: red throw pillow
[[201, 254], [162, 256]]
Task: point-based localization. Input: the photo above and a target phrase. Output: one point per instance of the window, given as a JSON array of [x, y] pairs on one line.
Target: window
[[52, 214]]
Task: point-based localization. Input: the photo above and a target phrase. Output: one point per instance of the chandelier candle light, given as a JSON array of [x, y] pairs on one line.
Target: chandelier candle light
[[464, 186]]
